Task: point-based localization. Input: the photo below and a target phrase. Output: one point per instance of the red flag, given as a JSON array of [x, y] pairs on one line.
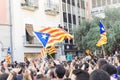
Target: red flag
[[56, 35]]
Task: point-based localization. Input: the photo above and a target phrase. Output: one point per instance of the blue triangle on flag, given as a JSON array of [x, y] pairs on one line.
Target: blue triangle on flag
[[9, 50], [102, 30], [42, 37]]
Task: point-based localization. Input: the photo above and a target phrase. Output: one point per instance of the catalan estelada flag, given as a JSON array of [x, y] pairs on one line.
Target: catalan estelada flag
[[56, 35], [43, 52], [8, 57], [103, 39], [51, 50]]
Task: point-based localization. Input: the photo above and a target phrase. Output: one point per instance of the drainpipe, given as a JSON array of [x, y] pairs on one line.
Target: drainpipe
[[11, 37]]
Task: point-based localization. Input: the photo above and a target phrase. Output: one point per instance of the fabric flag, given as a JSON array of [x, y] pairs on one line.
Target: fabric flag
[[8, 57], [103, 39], [42, 37], [56, 35], [42, 53], [51, 50]]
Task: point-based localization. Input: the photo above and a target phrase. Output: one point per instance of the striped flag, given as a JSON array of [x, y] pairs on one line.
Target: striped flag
[[42, 53], [56, 35], [8, 57], [103, 39], [51, 50]]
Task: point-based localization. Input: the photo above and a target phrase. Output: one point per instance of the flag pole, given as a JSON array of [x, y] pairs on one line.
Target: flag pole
[[103, 51], [51, 56]]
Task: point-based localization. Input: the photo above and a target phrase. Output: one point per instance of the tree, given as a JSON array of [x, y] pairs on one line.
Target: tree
[[87, 35]]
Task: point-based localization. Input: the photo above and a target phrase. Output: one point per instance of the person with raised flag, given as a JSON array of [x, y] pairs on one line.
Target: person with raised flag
[[103, 39]]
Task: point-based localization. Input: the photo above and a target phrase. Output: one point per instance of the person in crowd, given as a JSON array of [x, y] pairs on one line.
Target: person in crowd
[[79, 74], [100, 63], [60, 72], [111, 70], [99, 75]]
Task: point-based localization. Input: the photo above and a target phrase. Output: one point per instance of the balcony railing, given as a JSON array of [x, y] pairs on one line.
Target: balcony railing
[[35, 42], [51, 9], [29, 5]]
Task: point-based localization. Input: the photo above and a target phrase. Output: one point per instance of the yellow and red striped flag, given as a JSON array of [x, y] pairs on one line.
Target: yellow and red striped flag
[[42, 53], [103, 39], [51, 50], [56, 35]]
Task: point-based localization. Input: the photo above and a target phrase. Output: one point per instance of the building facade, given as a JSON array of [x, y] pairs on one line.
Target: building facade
[[26, 16], [73, 11], [98, 6]]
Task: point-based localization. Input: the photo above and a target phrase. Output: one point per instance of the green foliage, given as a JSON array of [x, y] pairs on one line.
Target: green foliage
[[87, 35]]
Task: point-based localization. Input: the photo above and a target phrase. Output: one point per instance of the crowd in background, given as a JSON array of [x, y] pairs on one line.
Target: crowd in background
[[80, 68]]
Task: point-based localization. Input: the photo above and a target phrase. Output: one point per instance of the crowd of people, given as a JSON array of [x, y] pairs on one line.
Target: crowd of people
[[80, 68]]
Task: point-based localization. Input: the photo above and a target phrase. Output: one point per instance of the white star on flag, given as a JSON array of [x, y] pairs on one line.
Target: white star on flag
[[102, 29], [44, 36]]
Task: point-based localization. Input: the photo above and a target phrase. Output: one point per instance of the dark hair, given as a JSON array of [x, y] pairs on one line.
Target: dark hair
[[60, 71], [110, 69], [101, 62], [81, 74], [99, 75]]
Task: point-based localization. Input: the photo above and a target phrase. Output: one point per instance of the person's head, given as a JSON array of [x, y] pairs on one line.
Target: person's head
[[60, 71], [99, 75], [110, 69], [80, 75], [101, 62]]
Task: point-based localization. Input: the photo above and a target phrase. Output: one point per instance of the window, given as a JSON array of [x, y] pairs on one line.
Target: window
[[64, 1], [108, 2], [29, 33], [79, 20], [82, 4], [103, 2], [69, 8], [64, 7], [68, 1], [74, 19], [78, 3], [114, 1], [69, 18], [64, 17], [73, 2], [70, 28], [73, 9], [93, 3], [98, 3], [66, 40], [71, 41], [30, 4]]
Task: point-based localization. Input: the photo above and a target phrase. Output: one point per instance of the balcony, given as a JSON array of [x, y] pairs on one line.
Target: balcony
[[35, 43], [51, 9], [28, 5]]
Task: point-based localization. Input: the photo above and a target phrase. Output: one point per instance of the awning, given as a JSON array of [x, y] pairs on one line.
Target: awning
[[29, 29]]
